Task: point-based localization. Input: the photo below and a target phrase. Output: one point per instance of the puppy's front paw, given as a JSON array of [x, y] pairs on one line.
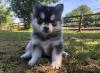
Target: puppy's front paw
[[23, 56], [31, 63], [56, 65]]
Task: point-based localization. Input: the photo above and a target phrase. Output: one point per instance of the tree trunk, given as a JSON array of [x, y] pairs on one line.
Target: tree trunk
[[0, 27], [80, 23], [26, 24]]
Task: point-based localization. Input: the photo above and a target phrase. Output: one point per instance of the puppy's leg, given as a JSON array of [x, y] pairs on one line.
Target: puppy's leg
[[57, 56], [28, 50], [36, 54], [56, 59]]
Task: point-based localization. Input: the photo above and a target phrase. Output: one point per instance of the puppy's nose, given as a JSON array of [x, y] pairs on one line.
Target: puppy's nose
[[46, 29]]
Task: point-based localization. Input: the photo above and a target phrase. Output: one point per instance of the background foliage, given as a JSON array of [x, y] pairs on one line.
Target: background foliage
[[86, 20], [5, 16]]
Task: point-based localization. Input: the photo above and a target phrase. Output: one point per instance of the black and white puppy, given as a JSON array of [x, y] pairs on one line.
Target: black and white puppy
[[47, 37]]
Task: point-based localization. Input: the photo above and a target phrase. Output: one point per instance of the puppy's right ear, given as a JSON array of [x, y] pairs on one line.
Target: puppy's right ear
[[35, 8], [37, 5]]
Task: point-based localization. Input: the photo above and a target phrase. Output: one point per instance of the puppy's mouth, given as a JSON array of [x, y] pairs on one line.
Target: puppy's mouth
[[44, 33]]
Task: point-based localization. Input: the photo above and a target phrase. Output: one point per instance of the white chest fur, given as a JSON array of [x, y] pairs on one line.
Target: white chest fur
[[45, 45]]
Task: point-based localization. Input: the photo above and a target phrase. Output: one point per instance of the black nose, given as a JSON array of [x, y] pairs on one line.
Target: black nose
[[46, 29]]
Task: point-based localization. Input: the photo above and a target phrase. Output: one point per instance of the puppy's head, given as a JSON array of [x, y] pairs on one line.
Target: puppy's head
[[46, 19]]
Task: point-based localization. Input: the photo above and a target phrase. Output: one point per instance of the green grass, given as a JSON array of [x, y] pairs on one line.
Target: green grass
[[84, 48], [14, 36]]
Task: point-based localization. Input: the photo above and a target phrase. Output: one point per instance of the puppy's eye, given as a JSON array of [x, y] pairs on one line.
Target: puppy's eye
[[54, 23], [40, 22]]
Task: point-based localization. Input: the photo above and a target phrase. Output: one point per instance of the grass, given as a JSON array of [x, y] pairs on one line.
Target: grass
[[14, 36], [84, 48]]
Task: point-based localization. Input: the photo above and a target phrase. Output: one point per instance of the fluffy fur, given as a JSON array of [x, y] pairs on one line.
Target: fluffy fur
[[46, 37]]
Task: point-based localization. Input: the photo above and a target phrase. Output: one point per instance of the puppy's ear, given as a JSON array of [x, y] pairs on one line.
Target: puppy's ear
[[35, 7], [59, 9], [32, 12]]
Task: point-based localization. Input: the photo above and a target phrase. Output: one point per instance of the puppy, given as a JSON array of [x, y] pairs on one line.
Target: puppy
[[46, 37]]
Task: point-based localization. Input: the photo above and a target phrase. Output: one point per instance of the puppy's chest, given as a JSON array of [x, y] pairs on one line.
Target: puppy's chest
[[47, 46]]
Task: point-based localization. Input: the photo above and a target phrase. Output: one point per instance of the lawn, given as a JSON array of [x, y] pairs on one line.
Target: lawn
[[83, 47]]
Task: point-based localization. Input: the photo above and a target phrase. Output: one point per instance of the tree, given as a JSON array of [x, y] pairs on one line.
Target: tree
[[22, 8], [97, 20], [88, 21], [81, 10], [3, 14]]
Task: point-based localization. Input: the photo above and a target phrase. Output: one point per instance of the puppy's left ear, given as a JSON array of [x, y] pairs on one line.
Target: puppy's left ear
[[59, 9]]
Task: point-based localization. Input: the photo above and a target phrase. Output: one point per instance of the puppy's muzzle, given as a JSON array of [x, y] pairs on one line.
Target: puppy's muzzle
[[46, 29]]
